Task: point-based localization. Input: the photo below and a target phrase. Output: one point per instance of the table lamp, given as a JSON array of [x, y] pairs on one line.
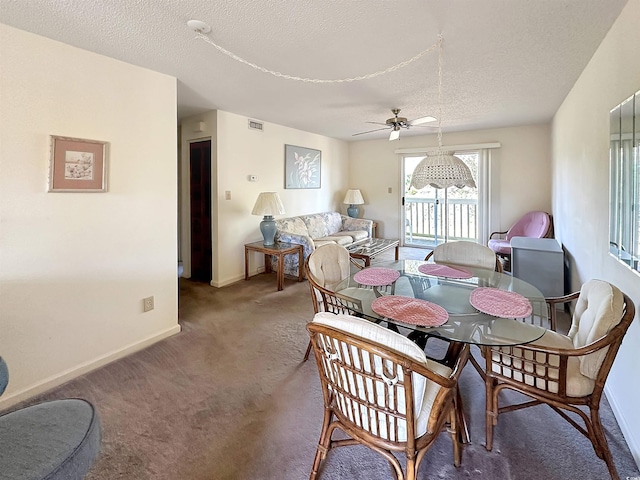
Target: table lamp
[[353, 198], [268, 204]]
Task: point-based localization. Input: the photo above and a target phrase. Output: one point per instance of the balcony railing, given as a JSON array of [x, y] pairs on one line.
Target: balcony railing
[[425, 220]]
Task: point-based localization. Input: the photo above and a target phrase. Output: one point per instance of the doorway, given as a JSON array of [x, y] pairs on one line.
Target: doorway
[[432, 216], [200, 203]]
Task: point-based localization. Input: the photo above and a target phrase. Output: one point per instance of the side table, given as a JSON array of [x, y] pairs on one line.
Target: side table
[[279, 250]]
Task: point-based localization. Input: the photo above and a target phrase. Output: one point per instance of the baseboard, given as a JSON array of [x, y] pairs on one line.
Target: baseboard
[[235, 279], [630, 436], [83, 368]]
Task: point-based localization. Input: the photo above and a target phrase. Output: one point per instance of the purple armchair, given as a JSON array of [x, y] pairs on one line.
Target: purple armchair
[[533, 225]]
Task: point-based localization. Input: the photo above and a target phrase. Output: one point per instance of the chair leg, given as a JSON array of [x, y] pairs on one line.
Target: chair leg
[[600, 443], [454, 429], [306, 355], [323, 444], [491, 412], [461, 422]]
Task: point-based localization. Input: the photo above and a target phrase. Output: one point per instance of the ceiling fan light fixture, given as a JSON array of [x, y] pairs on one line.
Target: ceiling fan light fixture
[[395, 134]]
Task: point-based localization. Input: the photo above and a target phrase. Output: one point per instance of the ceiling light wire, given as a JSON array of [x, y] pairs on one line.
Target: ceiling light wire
[[393, 68]]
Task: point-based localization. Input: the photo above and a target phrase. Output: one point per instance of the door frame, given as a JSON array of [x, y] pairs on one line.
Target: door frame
[[484, 183]]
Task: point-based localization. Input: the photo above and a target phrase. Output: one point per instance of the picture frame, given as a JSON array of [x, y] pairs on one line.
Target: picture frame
[[77, 165], [302, 167]]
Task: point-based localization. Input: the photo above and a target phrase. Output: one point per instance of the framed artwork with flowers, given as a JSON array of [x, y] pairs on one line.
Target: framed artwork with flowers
[[77, 165], [301, 167]]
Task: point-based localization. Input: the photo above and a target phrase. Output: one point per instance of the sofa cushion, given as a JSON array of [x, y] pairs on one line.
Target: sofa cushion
[[356, 235], [339, 239], [292, 225], [322, 224]]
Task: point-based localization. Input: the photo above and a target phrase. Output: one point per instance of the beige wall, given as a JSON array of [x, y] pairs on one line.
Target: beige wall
[[74, 267], [581, 193], [521, 173], [239, 152]]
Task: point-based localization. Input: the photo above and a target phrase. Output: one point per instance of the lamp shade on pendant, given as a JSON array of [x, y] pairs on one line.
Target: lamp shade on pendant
[[268, 204], [353, 198], [442, 170]]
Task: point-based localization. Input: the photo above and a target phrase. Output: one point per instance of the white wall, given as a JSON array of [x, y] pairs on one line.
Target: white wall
[[74, 267], [581, 193], [239, 152], [521, 173]]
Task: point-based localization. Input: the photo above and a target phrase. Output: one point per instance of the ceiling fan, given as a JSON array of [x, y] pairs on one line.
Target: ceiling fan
[[395, 123]]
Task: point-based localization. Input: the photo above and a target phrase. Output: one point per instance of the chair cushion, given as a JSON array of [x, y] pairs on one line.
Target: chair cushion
[[465, 253], [329, 264], [532, 224], [56, 440], [578, 385], [598, 309], [425, 391], [500, 246]]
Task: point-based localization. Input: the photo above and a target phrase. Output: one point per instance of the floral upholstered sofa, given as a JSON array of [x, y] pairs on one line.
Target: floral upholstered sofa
[[314, 230]]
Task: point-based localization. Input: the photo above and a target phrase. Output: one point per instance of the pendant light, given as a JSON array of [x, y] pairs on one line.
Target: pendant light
[[441, 169]]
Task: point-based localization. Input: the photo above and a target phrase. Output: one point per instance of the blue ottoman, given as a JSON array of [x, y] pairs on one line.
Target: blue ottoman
[[54, 440]]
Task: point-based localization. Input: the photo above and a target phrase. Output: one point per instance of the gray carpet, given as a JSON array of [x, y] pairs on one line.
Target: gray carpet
[[228, 398]]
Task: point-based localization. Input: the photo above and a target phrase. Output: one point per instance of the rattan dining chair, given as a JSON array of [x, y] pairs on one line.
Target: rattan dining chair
[[325, 268], [465, 254], [565, 372], [382, 392]]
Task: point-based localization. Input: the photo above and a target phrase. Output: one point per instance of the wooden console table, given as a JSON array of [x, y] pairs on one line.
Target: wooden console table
[[279, 250]]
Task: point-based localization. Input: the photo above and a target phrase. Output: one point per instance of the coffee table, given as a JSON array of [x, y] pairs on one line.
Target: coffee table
[[368, 249]]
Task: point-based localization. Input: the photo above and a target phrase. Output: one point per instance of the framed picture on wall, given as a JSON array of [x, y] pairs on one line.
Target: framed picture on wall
[[301, 167], [77, 165]]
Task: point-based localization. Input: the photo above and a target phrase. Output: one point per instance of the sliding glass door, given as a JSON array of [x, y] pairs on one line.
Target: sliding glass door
[[433, 216]]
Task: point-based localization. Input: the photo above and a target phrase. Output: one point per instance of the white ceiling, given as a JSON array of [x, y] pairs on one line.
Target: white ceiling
[[505, 62]]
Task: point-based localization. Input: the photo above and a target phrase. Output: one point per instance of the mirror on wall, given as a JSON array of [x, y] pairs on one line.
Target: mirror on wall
[[624, 158]]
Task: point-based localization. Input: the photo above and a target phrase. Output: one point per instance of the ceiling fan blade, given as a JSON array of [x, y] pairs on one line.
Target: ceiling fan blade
[[421, 120], [377, 123], [395, 135], [370, 131]]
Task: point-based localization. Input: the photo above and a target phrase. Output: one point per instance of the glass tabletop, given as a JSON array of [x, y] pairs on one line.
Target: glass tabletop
[[465, 323], [371, 246]]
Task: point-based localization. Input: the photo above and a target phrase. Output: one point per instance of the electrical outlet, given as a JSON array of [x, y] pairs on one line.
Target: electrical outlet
[[148, 303]]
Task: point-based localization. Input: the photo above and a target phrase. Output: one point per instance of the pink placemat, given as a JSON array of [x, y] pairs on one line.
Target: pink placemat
[[500, 303], [444, 271], [376, 276], [410, 310]]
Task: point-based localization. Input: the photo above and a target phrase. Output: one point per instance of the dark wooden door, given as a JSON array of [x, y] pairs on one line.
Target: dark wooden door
[[200, 181]]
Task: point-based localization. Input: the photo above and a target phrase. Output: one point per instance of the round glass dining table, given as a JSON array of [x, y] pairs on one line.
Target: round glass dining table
[[465, 323]]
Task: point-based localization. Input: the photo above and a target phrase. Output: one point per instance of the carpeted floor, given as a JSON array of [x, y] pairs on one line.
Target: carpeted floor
[[228, 398]]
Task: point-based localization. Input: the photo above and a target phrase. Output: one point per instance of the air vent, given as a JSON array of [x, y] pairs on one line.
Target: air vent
[[253, 125]]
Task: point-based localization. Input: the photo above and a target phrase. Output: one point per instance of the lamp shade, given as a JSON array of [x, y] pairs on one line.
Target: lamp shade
[[268, 203], [442, 170], [353, 197]]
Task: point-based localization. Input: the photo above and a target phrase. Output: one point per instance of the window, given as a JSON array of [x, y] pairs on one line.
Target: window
[[624, 157]]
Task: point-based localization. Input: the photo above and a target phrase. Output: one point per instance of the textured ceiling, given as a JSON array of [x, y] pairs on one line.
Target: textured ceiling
[[505, 62]]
